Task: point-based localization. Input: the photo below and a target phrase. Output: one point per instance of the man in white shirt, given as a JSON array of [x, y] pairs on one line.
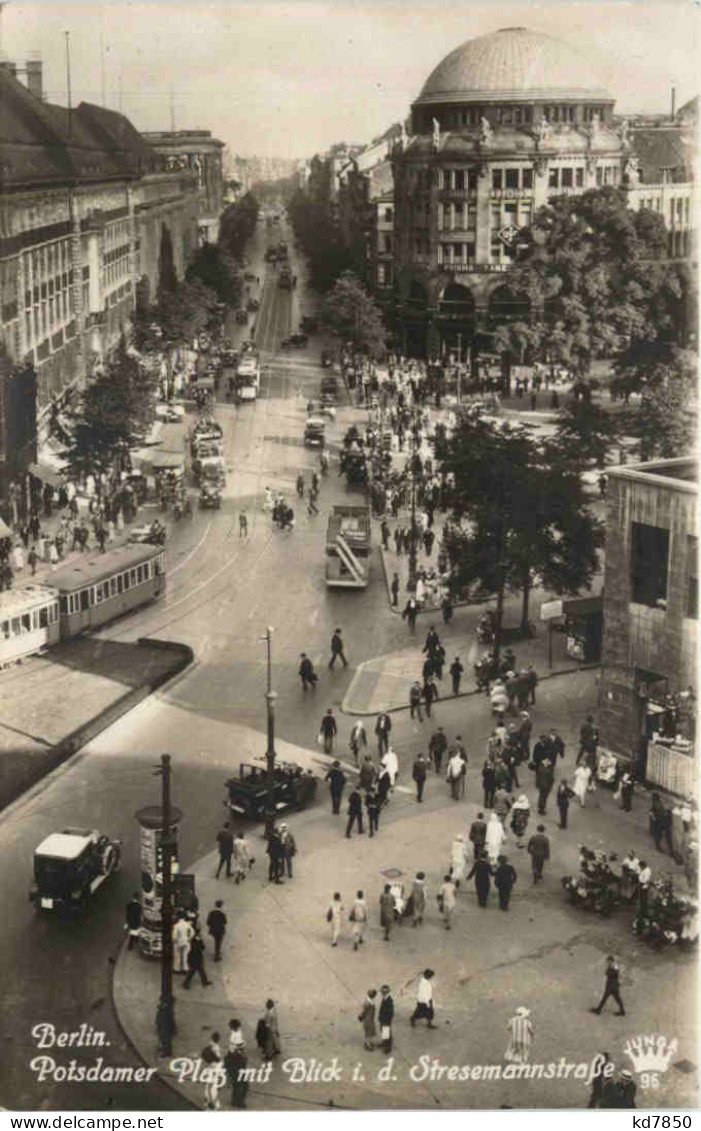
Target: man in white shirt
[[424, 1000], [644, 881], [455, 771], [182, 936]]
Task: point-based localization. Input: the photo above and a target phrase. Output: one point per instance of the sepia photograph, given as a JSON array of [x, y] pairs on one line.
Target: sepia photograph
[[348, 545]]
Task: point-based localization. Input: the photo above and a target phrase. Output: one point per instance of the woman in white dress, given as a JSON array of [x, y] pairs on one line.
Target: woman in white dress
[[495, 837], [582, 776], [457, 860], [391, 764], [268, 502]]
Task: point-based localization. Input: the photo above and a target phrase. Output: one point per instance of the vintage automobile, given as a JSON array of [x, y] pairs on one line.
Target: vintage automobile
[[252, 304], [151, 532], [210, 495], [242, 316], [315, 432], [294, 789], [70, 866], [329, 384], [326, 359], [321, 408], [170, 413]]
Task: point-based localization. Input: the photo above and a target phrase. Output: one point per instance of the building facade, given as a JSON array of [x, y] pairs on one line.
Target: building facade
[[196, 151], [651, 619], [502, 124], [83, 204]]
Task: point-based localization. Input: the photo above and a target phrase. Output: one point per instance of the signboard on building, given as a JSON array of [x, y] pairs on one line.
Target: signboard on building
[[551, 610]]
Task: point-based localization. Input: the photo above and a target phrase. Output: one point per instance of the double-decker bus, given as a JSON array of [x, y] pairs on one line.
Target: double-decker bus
[[348, 546]]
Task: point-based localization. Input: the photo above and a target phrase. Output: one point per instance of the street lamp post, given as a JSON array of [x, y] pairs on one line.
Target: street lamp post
[[165, 1014], [270, 697], [411, 582], [459, 389]]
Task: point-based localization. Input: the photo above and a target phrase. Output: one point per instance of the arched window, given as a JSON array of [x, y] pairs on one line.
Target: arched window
[[506, 305]]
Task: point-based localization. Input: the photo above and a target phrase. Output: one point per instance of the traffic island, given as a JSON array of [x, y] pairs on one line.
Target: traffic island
[[52, 705]]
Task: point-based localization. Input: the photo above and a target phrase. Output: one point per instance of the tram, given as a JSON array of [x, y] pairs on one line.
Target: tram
[[96, 590], [29, 622]]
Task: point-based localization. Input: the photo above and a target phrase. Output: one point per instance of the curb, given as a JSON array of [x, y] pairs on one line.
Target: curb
[[436, 610], [69, 746], [451, 698]]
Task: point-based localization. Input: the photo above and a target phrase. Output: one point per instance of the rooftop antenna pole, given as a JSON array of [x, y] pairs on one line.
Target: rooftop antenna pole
[[68, 81], [103, 94], [674, 100], [172, 112]]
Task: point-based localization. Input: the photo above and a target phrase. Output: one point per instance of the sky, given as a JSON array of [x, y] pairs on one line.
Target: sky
[[290, 79]]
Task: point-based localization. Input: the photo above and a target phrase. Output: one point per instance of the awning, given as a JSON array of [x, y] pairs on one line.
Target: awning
[[5, 531], [583, 606], [46, 473]]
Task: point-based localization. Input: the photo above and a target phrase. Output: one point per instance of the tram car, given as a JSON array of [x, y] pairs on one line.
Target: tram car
[[96, 590], [29, 621]]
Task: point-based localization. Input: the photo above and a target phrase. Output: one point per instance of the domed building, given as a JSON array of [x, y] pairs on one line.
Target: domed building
[[503, 122]]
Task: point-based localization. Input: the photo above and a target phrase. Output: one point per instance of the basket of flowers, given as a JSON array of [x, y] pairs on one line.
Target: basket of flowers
[[597, 887]]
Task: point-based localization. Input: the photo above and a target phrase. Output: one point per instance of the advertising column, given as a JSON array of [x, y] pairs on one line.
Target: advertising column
[[151, 855]]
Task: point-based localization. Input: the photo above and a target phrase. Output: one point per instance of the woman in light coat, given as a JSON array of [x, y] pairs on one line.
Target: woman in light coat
[[582, 777], [368, 1013]]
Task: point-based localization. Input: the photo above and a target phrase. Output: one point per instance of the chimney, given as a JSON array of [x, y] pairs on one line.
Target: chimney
[[9, 67], [35, 83]]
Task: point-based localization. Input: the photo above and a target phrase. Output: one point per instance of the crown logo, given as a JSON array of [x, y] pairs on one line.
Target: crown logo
[[651, 1052]]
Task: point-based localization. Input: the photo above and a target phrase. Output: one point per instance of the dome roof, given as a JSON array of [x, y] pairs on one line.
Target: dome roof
[[513, 64]]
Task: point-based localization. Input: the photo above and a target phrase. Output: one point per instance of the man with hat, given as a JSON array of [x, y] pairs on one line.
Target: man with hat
[[612, 987], [289, 848], [539, 852], [504, 880], [337, 780], [385, 1016]]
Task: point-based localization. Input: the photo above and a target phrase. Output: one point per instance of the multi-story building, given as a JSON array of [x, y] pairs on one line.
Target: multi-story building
[[503, 123], [198, 151], [661, 179], [84, 202], [646, 710]]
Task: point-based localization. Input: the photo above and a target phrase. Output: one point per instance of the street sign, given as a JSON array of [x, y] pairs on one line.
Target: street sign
[[508, 235], [550, 610]]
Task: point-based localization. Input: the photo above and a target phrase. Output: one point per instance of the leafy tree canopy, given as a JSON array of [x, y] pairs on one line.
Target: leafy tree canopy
[[352, 315]]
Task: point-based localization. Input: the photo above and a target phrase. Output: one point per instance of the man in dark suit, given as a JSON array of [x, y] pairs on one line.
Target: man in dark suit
[[337, 780], [225, 843], [216, 925], [385, 1016], [383, 726], [504, 880], [355, 811]]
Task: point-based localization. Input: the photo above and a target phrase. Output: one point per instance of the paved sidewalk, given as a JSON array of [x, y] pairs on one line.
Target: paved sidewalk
[[383, 684], [544, 955]]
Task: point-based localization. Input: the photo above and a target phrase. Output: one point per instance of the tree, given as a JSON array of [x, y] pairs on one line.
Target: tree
[[318, 233], [665, 422], [237, 225], [218, 270], [526, 512], [113, 415], [353, 316], [585, 432], [184, 313], [592, 270]]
